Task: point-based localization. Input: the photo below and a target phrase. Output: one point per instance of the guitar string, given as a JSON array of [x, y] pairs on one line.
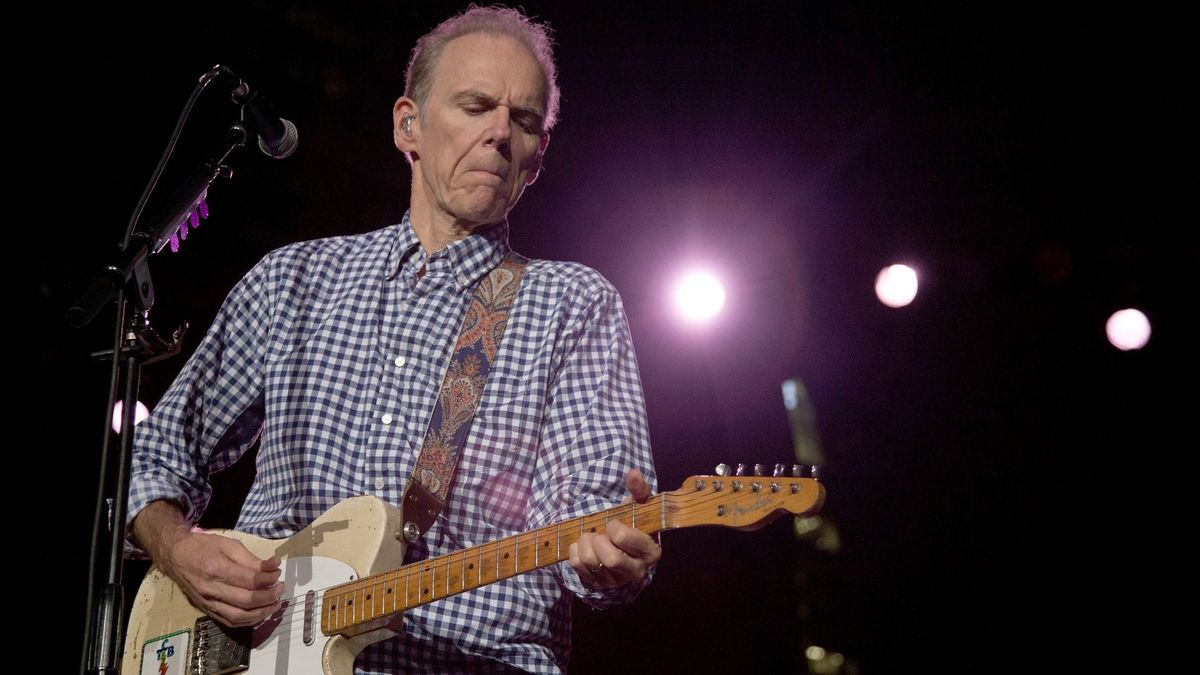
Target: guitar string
[[447, 562], [295, 610], [293, 616], [443, 561]]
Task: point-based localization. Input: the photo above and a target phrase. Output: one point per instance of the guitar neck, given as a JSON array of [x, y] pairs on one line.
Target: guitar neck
[[744, 502], [367, 601]]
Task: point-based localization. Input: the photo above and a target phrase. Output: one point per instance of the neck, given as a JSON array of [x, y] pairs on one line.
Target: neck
[[435, 228], [433, 234]]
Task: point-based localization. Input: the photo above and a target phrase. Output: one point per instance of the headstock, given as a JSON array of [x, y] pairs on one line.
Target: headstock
[[744, 502]]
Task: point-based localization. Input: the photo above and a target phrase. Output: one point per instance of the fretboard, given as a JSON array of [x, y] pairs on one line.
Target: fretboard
[[370, 599]]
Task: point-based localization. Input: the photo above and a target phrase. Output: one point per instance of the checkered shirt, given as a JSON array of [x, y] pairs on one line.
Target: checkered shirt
[[333, 351]]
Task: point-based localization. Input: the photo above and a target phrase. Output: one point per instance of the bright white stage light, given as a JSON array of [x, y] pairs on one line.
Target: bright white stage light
[[140, 413], [699, 296], [896, 285], [1128, 329]]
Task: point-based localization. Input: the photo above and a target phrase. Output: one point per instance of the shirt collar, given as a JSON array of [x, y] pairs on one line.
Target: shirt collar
[[467, 259]]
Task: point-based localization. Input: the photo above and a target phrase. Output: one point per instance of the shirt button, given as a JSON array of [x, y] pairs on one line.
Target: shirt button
[[379, 483], [386, 419], [400, 362]]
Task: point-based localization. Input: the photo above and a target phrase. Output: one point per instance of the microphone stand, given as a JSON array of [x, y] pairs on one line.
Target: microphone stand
[[126, 281]]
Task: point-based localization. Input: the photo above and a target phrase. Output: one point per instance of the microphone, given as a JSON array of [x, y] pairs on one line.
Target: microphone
[[277, 137]]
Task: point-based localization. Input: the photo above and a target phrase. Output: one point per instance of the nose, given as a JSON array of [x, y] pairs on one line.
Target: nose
[[499, 130]]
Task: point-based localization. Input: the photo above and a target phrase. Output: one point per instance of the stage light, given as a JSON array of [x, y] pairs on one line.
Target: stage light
[[140, 413], [896, 285], [699, 296], [1128, 329]]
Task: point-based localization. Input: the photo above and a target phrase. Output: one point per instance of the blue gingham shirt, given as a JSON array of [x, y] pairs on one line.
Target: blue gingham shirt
[[334, 349]]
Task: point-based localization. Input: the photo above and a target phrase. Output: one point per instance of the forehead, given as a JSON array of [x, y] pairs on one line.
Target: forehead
[[497, 65]]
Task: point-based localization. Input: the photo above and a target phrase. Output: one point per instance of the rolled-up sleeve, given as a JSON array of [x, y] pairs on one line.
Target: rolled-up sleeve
[[594, 429], [213, 411]]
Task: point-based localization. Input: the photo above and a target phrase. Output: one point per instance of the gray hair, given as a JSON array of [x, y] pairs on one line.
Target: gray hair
[[496, 20]]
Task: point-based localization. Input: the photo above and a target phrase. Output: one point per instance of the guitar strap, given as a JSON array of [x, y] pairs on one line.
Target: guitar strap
[[476, 348]]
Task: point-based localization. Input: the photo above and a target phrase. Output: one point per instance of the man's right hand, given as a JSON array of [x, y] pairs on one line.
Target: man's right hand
[[218, 574]]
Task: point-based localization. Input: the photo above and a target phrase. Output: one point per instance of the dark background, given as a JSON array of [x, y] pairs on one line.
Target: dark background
[[1008, 490]]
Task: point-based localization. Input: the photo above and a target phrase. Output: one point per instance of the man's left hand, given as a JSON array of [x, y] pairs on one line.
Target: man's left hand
[[620, 555]]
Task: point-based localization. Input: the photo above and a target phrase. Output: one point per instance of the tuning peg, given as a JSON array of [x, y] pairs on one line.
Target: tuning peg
[[741, 470], [778, 470], [760, 470], [805, 471], [722, 469]]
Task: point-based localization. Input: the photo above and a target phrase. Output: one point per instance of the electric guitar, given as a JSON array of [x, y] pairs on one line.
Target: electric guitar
[[345, 581]]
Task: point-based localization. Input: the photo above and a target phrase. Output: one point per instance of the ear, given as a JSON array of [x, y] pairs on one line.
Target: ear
[[543, 143], [405, 108]]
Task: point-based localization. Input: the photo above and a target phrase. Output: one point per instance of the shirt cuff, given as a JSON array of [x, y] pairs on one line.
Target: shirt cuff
[[607, 597], [140, 497]]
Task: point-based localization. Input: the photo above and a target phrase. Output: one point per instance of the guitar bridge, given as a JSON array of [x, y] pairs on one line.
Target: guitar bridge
[[220, 649]]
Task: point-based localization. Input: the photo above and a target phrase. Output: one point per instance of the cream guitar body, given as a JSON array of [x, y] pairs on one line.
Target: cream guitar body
[[356, 538], [346, 582]]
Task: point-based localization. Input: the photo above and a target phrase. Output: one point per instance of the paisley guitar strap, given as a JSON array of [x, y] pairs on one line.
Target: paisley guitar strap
[[462, 388]]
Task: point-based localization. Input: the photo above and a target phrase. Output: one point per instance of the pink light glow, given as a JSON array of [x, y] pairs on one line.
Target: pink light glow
[[141, 412], [699, 296], [1128, 329], [896, 285]]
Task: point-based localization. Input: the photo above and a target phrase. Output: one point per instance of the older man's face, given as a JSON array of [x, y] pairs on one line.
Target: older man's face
[[478, 141]]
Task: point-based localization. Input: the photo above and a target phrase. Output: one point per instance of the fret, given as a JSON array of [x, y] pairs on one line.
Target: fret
[[380, 591], [370, 589], [391, 594], [412, 592], [407, 591], [420, 589], [502, 554], [347, 605], [479, 569], [328, 606], [542, 542]]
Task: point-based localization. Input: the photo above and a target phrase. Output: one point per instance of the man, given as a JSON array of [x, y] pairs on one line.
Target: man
[[334, 351]]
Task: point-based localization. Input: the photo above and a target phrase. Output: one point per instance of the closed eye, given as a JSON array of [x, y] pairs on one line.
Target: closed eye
[[529, 122]]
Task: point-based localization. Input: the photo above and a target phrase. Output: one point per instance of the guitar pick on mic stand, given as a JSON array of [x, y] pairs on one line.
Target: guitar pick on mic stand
[[126, 281]]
